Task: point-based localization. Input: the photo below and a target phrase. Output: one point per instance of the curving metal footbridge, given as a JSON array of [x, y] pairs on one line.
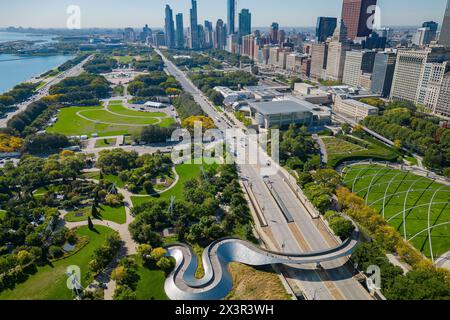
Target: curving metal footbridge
[[182, 284]]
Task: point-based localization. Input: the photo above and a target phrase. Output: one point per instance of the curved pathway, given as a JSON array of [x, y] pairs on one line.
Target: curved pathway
[[217, 282]]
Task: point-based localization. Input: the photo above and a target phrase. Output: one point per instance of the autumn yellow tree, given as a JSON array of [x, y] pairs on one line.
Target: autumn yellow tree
[[9, 143], [206, 122]]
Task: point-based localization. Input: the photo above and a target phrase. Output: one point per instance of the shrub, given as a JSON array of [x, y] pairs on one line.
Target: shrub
[[341, 227], [55, 252]]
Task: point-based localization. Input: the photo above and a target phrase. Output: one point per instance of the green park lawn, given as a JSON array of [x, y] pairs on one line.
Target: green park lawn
[[151, 284], [185, 172], [116, 215], [340, 150], [49, 282], [76, 121], [108, 177], [395, 184], [105, 143], [120, 109], [124, 59]]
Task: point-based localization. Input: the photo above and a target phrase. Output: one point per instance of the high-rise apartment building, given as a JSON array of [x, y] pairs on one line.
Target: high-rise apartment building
[[325, 28], [319, 57], [337, 49], [383, 72], [412, 67], [231, 10], [169, 28], [245, 23], [356, 15], [209, 34], [273, 33], [422, 37], [444, 38], [194, 36], [356, 64], [220, 35], [248, 46], [129, 35], [443, 104], [430, 83], [179, 37], [433, 26]]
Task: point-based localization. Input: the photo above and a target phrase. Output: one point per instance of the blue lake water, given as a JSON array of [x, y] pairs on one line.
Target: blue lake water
[[16, 36], [17, 69]]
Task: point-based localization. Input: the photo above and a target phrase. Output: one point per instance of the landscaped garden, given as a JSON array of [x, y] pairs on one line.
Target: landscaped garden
[[347, 148], [185, 173], [112, 120], [114, 214], [49, 281], [403, 199]]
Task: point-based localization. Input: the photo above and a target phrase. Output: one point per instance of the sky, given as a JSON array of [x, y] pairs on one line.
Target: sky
[[136, 13]]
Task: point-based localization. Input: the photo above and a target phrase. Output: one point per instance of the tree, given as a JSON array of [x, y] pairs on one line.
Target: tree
[[118, 274], [124, 293], [158, 253], [47, 142], [346, 128], [341, 227], [328, 178], [165, 264]]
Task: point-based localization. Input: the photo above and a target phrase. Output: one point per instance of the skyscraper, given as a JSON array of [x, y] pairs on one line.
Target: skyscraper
[[383, 72], [356, 16], [194, 38], [357, 62], [245, 23], [433, 26], [231, 26], [169, 28], [179, 39], [319, 57], [209, 37], [337, 49], [411, 66], [444, 38], [422, 37], [325, 28], [220, 36], [273, 33]]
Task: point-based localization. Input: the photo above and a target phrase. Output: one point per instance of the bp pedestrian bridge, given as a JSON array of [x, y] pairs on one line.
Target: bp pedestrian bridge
[[217, 282]]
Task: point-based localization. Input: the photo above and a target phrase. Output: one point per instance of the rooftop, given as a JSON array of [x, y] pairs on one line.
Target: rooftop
[[281, 106]]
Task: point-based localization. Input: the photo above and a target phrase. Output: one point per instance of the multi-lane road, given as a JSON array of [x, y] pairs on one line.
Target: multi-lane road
[[42, 92], [333, 280]]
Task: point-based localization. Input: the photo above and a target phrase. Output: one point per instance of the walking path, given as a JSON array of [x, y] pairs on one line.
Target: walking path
[[323, 148]]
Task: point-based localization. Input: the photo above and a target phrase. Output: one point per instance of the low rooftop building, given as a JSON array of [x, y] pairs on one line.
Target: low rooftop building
[[282, 113], [354, 109]]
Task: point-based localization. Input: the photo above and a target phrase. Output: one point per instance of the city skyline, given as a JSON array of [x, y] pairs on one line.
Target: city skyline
[[115, 14]]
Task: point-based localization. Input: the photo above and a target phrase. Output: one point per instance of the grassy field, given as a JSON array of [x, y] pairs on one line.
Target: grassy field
[[395, 184], [116, 215], [186, 172], [352, 148], [113, 120], [124, 59], [49, 283], [255, 284], [151, 284], [105, 144]]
